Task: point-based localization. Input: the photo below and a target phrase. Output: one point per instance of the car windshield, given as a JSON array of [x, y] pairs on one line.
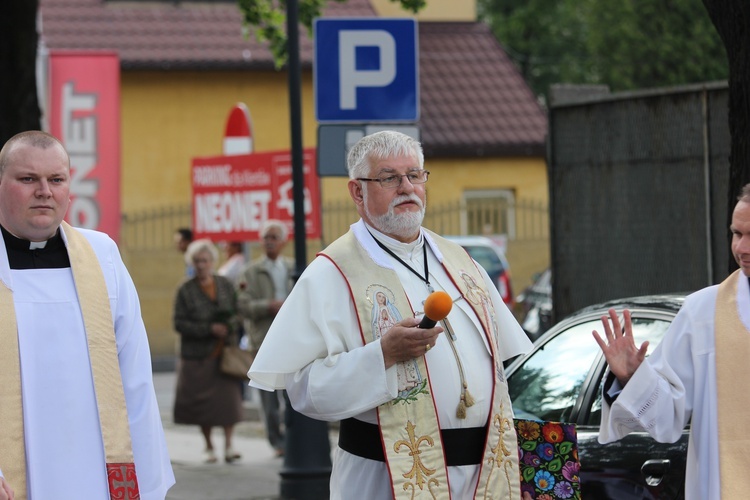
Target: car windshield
[[546, 386], [486, 257]]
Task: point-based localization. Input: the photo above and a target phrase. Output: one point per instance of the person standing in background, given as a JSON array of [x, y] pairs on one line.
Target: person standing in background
[[182, 238], [234, 263], [205, 317], [262, 289]]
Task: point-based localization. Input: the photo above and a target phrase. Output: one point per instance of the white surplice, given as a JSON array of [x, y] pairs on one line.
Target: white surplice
[[314, 350], [64, 448], [675, 385]]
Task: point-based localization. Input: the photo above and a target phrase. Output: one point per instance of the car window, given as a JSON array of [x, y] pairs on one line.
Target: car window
[[649, 329], [547, 384], [486, 257]]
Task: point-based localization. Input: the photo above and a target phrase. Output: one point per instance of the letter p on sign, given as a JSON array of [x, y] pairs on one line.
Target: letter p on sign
[[366, 70], [350, 77]]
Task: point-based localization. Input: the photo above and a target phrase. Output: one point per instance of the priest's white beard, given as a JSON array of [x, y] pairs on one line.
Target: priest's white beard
[[405, 224]]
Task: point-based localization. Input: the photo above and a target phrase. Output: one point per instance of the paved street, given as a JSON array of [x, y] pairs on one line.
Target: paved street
[[254, 477]]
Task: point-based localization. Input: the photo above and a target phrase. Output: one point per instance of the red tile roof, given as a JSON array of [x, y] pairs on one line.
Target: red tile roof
[[473, 100]]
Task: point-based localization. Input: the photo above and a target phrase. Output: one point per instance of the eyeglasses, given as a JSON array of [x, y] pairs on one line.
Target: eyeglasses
[[391, 181]]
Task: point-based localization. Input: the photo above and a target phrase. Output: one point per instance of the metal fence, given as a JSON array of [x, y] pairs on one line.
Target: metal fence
[[521, 220], [153, 229]]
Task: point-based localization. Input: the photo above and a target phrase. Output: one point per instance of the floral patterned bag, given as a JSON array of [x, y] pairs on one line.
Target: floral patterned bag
[[548, 453]]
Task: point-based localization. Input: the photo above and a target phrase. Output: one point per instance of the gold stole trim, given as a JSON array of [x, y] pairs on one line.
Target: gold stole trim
[[409, 426], [12, 445], [110, 397], [499, 476], [732, 352]]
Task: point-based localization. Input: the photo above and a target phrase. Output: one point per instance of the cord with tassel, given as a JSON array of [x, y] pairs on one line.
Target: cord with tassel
[[466, 399]]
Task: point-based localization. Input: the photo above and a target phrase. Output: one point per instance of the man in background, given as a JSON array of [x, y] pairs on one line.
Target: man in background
[[262, 289], [235, 261], [182, 238]]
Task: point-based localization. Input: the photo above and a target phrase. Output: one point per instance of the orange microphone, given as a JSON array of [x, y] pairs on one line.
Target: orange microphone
[[436, 307]]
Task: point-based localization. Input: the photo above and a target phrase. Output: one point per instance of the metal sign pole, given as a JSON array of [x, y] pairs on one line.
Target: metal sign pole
[[307, 461]]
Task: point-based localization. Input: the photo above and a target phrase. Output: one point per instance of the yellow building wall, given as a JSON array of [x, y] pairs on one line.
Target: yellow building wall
[[168, 118], [434, 10]]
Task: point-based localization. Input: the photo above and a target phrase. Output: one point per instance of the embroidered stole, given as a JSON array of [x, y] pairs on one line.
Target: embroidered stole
[[732, 352], [409, 425], [110, 397]]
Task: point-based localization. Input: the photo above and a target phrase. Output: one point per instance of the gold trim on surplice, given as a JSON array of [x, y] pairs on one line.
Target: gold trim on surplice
[[732, 353]]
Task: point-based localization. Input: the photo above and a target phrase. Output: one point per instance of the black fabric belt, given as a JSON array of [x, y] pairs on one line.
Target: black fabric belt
[[462, 446]]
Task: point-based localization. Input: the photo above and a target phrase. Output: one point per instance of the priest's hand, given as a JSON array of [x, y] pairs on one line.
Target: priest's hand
[[6, 493], [404, 341], [623, 357]]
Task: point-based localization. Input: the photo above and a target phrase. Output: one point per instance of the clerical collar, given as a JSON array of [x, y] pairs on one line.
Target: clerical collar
[[391, 246], [25, 254], [403, 250]]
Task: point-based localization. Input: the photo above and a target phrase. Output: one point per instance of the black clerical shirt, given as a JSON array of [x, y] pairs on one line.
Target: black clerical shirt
[[54, 255]]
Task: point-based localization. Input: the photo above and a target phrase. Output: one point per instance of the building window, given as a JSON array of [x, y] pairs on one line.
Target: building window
[[489, 212]]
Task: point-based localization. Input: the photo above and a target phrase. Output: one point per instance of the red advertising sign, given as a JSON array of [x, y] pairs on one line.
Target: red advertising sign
[[84, 113], [234, 195]]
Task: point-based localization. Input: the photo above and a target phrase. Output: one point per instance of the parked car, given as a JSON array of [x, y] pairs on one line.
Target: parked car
[[490, 255], [561, 379], [535, 304]]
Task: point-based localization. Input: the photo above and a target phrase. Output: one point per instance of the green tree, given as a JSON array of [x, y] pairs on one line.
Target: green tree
[[625, 44], [267, 20]]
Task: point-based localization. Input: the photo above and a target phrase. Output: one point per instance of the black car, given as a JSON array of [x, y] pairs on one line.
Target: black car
[[535, 303], [561, 380]]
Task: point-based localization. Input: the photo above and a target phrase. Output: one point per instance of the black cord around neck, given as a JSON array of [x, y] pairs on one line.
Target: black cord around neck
[[425, 278]]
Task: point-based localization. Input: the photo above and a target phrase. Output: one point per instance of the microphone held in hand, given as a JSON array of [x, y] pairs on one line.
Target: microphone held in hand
[[436, 308]]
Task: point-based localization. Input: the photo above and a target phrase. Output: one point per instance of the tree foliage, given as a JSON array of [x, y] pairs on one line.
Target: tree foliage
[[267, 20], [626, 44]]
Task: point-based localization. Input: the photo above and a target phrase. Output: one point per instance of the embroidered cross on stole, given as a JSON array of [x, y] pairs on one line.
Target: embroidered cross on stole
[[110, 398], [409, 424], [732, 354]]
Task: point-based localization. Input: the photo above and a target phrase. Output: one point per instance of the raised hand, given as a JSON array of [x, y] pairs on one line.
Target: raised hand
[[619, 349]]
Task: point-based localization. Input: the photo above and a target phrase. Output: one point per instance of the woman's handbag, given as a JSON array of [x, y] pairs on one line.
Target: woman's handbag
[[235, 361]]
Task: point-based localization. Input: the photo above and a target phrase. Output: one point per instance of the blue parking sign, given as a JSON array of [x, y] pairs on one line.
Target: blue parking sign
[[366, 70]]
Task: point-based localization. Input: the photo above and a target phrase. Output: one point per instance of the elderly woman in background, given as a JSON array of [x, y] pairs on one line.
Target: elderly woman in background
[[204, 316]]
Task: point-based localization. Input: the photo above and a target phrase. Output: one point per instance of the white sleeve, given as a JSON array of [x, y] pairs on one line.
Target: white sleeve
[[314, 349], [659, 396]]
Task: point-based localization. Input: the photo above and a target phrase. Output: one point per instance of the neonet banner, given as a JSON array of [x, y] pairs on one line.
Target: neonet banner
[[234, 195], [84, 113]]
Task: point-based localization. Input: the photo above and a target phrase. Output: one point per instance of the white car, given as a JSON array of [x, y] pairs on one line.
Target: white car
[[490, 255]]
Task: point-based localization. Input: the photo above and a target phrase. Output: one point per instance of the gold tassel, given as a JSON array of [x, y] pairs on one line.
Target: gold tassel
[[468, 398], [461, 410]]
